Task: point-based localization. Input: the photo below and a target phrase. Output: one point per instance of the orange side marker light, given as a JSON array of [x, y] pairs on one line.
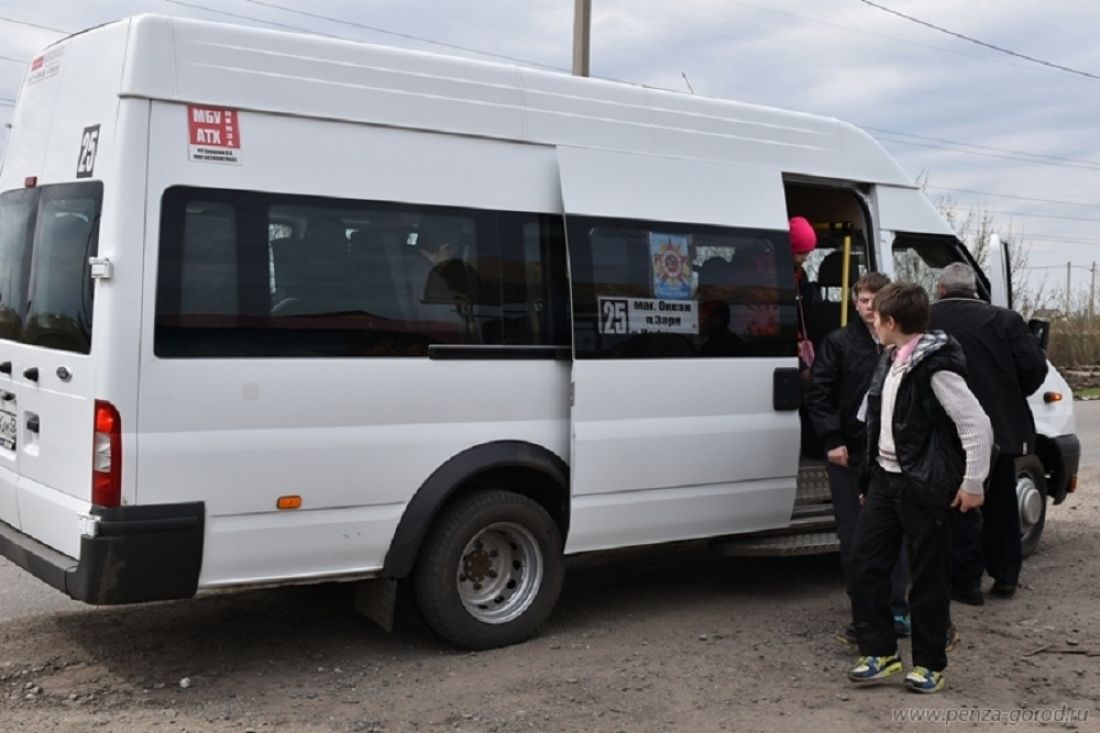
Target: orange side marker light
[[291, 501]]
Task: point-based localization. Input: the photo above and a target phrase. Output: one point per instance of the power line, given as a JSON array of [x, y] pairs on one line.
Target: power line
[[399, 34], [34, 25], [1041, 216], [861, 31], [991, 46], [288, 26], [266, 3], [257, 20], [1090, 167], [1038, 216], [1017, 197], [1060, 240], [983, 147]]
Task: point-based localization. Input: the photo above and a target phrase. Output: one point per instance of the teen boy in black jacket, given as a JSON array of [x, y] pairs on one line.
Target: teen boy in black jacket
[[842, 373], [928, 450]]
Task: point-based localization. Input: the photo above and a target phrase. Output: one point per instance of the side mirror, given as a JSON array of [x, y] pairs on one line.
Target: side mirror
[[1040, 329]]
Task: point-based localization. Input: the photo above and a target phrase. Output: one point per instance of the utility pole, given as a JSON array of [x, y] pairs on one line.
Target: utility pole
[[1068, 274], [582, 36], [1092, 294]]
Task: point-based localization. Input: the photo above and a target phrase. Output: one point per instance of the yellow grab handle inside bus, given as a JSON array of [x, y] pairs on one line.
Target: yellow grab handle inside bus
[[844, 280]]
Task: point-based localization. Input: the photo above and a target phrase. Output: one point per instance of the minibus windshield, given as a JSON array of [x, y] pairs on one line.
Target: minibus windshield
[[47, 235]]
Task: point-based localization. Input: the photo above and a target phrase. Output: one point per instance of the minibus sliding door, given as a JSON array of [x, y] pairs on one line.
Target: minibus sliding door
[[683, 324]]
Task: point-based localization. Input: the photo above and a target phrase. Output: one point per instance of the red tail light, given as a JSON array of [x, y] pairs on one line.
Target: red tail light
[[107, 456]]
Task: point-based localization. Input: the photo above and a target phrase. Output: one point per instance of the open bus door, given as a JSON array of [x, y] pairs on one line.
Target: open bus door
[[998, 270]]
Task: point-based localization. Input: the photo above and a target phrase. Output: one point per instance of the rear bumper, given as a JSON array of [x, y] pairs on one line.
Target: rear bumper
[[138, 553], [1067, 460]]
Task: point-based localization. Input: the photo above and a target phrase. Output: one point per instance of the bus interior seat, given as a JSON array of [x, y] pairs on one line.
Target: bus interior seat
[[314, 273], [825, 313], [209, 275], [715, 271], [377, 264], [452, 281]]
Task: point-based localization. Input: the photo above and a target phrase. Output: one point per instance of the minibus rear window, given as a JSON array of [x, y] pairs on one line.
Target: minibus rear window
[[47, 235], [16, 229]]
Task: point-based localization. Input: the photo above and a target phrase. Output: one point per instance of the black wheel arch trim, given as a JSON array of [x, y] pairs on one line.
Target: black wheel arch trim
[[448, 478]]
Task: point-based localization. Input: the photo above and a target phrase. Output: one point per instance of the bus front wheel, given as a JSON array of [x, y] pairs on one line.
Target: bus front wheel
[[1031, 494]]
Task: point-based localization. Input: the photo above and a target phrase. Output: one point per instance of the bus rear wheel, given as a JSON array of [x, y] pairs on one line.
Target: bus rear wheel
[[490, 570]]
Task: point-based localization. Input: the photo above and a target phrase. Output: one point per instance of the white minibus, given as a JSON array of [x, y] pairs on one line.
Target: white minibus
[[277, 308]]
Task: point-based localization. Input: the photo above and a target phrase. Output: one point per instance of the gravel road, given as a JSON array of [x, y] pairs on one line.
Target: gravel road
[[653, 640]]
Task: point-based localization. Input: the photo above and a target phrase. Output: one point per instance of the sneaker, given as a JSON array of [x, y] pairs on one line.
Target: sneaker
[[1003, 590], [873, 670], [847, 635], [924, 680], [952, 638], [903, 627]]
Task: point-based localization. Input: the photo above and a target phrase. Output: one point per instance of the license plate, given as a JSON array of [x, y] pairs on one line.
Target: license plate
[[7, 429]]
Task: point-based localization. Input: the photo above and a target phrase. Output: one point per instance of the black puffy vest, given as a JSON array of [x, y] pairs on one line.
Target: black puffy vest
[[927, 443]]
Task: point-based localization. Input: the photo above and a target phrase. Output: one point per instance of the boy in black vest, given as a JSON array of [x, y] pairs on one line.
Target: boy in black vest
[[928, 444]]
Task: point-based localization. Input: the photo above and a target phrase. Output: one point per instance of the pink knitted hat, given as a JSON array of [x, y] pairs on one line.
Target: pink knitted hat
[[803, 238]]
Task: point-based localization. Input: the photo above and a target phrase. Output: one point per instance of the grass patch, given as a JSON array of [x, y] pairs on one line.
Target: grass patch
[[1090, 393]]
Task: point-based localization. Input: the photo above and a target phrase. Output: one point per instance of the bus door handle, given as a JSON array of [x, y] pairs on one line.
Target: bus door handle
[[787, 389]]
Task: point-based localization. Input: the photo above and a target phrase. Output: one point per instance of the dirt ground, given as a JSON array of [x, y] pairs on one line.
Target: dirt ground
[[656, 640]]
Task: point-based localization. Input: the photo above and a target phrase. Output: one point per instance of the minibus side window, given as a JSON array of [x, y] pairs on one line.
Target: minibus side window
[[920, 258], [273, 275], [666, 290]]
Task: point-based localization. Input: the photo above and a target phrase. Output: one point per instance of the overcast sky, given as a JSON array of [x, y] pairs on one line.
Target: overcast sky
[[840, 58]]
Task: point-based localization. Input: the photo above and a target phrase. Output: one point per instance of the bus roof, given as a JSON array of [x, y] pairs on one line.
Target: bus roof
[[192, 61]]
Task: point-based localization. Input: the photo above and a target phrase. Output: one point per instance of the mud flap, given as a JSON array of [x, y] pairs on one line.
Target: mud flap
[[376, 599]]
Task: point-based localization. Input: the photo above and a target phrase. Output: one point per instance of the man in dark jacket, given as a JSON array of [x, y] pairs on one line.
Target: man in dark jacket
[[1005, 365], [841, 375]]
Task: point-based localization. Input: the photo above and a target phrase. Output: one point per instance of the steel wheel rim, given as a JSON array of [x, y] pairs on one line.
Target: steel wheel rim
[[1031, 503], [499, 573]]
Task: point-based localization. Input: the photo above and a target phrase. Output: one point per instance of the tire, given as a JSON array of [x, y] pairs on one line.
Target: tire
[[490, 570], [1031, 495]]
